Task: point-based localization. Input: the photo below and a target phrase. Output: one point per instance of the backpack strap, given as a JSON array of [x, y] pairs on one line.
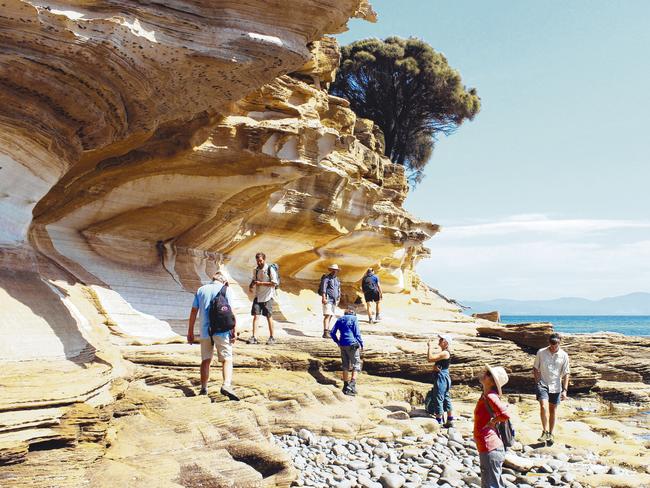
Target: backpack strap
[[489, 407]]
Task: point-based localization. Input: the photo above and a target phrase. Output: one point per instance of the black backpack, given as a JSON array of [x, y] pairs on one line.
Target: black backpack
[[222, 318], [321, 285], [368, 284], [504, 429]]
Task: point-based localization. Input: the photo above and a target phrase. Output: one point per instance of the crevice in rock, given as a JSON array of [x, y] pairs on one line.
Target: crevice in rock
[[51, 444], [316, 371]]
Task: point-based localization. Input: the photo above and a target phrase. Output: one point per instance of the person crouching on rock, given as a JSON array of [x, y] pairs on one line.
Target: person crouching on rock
[[489, 411], [441, 399], [350, 342], [222, 341]]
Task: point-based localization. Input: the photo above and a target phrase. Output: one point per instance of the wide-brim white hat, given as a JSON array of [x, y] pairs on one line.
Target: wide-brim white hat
[[499, 376], [333, 266]]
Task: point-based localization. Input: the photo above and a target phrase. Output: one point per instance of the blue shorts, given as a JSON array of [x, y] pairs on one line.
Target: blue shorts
[[542, 393]]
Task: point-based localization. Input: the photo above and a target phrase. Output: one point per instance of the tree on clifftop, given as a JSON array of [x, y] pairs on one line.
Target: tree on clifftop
[[409, 91]]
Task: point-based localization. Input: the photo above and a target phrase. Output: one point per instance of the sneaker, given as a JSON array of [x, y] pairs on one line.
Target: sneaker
[[252, 340], [326, 334], [542, 438], [203, 391], [549, 439], [346, 387], [378, 318], [229, 392], [270, 342], [370, 321]]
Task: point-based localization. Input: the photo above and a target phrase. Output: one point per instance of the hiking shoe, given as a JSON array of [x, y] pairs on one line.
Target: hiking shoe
[[270, 342], [378, 318], [326, 334], [229, 392], [252, 340], [542, 438], [346, 387], [448, 424], [370, 320], [549, 439], [353, 387], [203, 391]]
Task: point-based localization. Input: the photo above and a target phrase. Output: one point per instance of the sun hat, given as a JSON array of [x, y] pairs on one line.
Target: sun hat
[[446, 337], [333, 266], [499, 376]]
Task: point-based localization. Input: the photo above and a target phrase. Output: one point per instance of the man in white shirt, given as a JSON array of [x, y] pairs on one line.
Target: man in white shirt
[[551, 371], [265, 279]]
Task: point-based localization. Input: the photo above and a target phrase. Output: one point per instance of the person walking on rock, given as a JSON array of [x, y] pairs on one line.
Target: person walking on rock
[[222, 341], [264, 282], [330, 292], [489, 411], [372, 293], [441, 399], [350, 342], [551, 372]]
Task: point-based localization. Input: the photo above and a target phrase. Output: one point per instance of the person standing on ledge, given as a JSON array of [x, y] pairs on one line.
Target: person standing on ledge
[[264, 281], [223, 341], [489, 411], [372, 293], [551, 372], [441, 380], [330, 292], [350, 343]]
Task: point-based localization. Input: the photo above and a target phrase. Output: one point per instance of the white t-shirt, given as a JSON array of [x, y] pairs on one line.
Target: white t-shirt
[[264, 293], [552, 368]]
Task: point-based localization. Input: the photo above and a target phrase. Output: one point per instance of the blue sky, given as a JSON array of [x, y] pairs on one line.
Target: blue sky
[[545, 193]]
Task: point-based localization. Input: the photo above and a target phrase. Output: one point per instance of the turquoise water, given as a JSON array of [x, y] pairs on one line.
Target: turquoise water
[[632, 325]]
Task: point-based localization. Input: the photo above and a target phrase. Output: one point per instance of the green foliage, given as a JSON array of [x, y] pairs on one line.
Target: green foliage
[[409, 91]]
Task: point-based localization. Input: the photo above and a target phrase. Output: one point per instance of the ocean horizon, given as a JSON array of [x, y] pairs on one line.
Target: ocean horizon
[[629, 325]]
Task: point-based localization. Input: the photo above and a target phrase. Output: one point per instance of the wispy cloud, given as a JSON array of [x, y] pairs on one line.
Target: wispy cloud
[[534, 256], [538, 223]]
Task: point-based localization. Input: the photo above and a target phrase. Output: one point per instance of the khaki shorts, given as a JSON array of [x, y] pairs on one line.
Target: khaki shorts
[[329, 308], [221, 344]]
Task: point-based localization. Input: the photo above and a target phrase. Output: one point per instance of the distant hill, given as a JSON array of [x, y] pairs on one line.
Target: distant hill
[[632, 304]]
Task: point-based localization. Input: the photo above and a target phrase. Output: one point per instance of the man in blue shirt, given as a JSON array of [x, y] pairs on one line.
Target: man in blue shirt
[[350, 343], [223, 341], [330, 296]]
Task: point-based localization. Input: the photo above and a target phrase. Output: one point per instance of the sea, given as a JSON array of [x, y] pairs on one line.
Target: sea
[[630, 325]]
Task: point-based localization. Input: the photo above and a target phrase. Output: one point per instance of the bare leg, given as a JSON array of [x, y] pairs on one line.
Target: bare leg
[[255, 325], [551, 417], [377, 307], [543, 414], [368, 310], [226, 372], [270, 321], [205, 372], [326, 322], [353, 376], [346, 376]]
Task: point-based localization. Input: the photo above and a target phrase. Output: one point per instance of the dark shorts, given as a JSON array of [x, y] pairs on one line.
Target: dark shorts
[[542, 393], [262, 308], [371, 296], [351, 358]]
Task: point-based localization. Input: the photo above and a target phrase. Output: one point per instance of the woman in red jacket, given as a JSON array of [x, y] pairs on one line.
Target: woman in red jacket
[[490, 448]]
